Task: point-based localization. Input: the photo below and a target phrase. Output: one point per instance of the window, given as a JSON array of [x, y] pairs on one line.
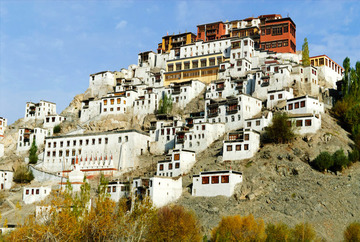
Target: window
[[246, 136], [118, 101], [27, 191], [177, 157], [195, 64], [280, 96], [170, 166], [203, 63], [296, 105], [99, 141], [249, 124], [290, 106], [298, 123], [105, 102], [54, 153], [93, 141], [308, 122], [205, 180], [214, 179], [74, 142], [177, 165], [238, 147], [109, 189], [61, 143], [49, 145], [229, 148], [161, 167], [37, 191], [246, 146], [114, 188], [271, 97], [302, 104], [257, 122], [224, 179], [106, 140], [203, 127]]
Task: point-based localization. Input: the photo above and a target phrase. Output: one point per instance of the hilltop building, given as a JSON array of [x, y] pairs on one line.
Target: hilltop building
[[38, 111]]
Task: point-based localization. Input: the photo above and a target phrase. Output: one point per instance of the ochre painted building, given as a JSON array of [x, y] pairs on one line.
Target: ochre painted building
[[175, 41], [211, 31], [204, 68], [277, 34]]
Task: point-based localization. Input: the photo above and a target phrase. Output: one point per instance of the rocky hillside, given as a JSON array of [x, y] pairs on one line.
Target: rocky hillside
[[279, 185]]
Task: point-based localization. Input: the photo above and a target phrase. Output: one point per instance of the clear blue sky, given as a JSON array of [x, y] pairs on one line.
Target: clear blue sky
[[49, 48]]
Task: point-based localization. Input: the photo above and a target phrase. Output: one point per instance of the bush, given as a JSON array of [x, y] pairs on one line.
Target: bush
[[323, 161], [352, 233], [279, 131], [340, 161], [277, 232], [354, 155], [57, 129], [23, 175], [174, 223], [237, 228], [165, 105], [303, 232]]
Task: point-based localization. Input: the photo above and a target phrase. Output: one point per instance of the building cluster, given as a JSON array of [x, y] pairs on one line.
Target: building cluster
[[247, 69]]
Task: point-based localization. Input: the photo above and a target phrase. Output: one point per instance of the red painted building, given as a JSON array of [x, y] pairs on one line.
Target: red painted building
[[277, 34], [211, 31]]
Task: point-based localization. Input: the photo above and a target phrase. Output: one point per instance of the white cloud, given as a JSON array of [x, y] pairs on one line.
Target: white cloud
[[122, 24]]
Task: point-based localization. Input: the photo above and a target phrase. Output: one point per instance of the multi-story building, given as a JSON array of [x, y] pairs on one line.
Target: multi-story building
[[179, 162], [175, 41], [3, 124], [211, 31], [241, 144], [204, 68], [27, 136], [247, 27], [35, 194], [51, 121], [328, 69], [216, 183], [183, 92], [304, 104], [106, 152], [118, 190], [100, 83], [6, 178], [39, 110], [277, 34], [276, 96]]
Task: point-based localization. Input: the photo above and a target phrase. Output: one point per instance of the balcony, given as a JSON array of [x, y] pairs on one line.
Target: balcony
[[213, 114], [220, 88], [233, 111], [265, 84]]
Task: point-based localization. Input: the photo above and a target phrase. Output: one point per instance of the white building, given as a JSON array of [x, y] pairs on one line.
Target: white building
[[50, 121], [305, 123], [164, 190], [35, 194], [275, 96], [6, 178], [259, 122], [200, 48], [118, 102], [3, 124], [34, 111], [329, 71], [90, 109], [117, 190], [101, 82], [233, 111], [215, 183], [105, 152], [27, 136], [163, 132], [182, 93], [304, 104], [241, 145], [221, 89], [199, 137], [178, 163]]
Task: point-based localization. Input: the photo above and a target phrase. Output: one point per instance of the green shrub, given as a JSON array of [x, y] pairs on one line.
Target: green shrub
[[57, 129], [280, 131], [23, 175], [340, 161], [323, 161], [354, 155], [165, 105], [33, 157]]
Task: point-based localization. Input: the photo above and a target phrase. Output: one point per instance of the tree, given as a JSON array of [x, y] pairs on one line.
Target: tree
[[165, 105], [174, 223], [303, 232], [277, 232], [33, 158], [280, 131], [23, 175], [352, 232], [323, 161], [305, 53], [237, 228], [57, 129]]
